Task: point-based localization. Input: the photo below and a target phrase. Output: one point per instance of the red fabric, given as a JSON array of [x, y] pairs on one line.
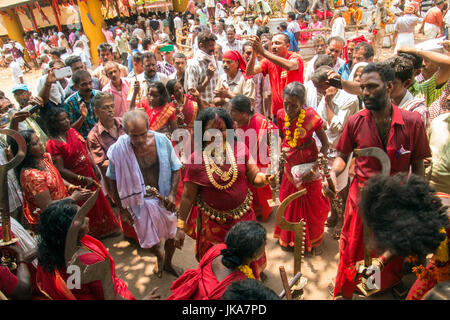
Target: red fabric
[[53, 285], [127, 228], [360, 131], [200, 283], [8, 281], [355, 40], [321, 14], [160, 117], [313, 207], [211, 232], [280, 78], [190, 111], [260, 195], [304, 36], [75, 155], [34, 182], [236, 56]]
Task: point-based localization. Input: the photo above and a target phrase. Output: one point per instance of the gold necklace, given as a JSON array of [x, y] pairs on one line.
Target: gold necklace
[[209, 163]]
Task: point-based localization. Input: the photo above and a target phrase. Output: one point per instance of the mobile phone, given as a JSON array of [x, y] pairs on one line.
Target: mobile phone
[[63, 73], [32, 109], [167, 48], [335, 83]]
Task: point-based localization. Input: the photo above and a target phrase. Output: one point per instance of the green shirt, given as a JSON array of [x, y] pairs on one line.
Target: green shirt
[[430, 91]]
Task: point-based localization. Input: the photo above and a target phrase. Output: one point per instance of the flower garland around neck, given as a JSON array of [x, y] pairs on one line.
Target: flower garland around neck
[[298, 130], [245, 269]]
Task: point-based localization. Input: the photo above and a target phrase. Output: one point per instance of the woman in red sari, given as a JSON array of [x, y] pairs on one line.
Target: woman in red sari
[[222, 264], [247, 121], [73, 160], [216, 195], [160, 111], [51, 274], [40, 181], [298, 123]]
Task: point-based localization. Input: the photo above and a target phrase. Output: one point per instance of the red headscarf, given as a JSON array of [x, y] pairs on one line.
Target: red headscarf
[[355, 40], [236, 56]]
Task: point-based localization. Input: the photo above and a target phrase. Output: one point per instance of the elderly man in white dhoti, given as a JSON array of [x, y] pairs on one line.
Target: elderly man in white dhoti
[[143, 158]]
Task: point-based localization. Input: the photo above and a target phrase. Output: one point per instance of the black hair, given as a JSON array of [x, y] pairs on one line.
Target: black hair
[[170, 85], [53, 226], [415, 59], [320, 75], [137, 57], [134, 43], [55, 52], [249, 289], [104, 47], [72, 60], [243, 240], [261, 30], [162, 91], [295, 89], [283, 25], [291, 15], [368, 49], [404, 214], [208, 114], [241, 103], [148, 55], [383, 69], [52, 120], [53, 62], [403, 68], [29, 161], [323, 60], [146, 42], [80, 74], [206, 36]]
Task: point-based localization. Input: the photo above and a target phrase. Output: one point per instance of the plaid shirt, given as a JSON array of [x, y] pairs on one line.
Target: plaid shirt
[[165, 67], [196, 73], [72, 107]]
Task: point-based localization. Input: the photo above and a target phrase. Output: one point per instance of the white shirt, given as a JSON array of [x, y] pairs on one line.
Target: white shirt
[[339, 63], [447, 19], [309, 70], [236, 45], [338, 28], [56, 90], [16, 72], [293, 27], [178, 23]]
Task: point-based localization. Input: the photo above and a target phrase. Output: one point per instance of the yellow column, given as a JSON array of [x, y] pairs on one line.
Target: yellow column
[[14, 27], [179, 5], [93, 32]]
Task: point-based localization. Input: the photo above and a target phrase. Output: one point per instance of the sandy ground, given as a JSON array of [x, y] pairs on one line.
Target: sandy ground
[[135, 265]]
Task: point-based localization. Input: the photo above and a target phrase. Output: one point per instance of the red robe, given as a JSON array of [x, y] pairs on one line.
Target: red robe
[[313, 207], [54, 286], [74, 152], [160, 117], [407, 142], [200, 283], [205, 231], [260, 195]]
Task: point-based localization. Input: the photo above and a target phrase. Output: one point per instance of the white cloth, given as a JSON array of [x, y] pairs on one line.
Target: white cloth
[[210, 3], [404, 39], [338, 28], [16, 72], [309, 70], [311, 95], [293, 27], [56, 90], [354, 68], [178, 23], [339, 63], [431, 31]]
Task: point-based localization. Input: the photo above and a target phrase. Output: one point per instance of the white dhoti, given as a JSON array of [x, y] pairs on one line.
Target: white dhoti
[[153, 223], [404, 39], [431, 31]]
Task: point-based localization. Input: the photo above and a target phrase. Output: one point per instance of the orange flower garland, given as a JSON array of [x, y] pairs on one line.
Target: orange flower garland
[[287, 124]]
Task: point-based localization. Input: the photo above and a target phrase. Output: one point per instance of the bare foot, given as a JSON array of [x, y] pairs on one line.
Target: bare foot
[[158, 270], [174, 270]]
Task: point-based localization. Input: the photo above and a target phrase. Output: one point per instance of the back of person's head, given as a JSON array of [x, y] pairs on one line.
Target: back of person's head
[[415, 59], [291, 15], [403, 68], [283, 26], [55, 52], [249, 289], [368, 49], [383, 69], [321, 74], [137, 57], [104, 47], [261, 30], [134, 43], [54, 223], [241, 103], [323, 60], [404, 214], [243, 241]]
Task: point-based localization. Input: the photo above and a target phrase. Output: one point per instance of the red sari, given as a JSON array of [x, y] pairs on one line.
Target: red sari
[[260, 195], [205, 231], [54, 285], [75, 155], [201, 283], [34, 182], [313, 207], [304, 36], [160, 117]]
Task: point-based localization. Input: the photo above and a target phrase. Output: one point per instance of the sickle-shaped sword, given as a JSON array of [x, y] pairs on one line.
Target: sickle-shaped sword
[[385, 172], [98, 271]]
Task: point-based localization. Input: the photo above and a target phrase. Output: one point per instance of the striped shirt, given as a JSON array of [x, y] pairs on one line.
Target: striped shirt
[[236, 45], [165, 67], [72, 107], [430, 91]]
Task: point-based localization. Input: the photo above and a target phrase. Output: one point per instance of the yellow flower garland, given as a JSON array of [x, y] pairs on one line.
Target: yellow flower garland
[[245, 269], [287, 124]]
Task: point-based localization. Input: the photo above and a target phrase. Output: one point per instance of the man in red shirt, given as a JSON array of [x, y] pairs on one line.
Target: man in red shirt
[[282, 66], [401, 134]]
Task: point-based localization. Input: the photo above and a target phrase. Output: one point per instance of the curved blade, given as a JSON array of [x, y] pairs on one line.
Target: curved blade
[[380, 155], [297, 227], [21, 150], [72, 234]]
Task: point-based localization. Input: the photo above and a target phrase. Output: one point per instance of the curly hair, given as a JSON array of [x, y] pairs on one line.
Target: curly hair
[[403, 67], [54, 223], [382, 68], [249, 289], [404, 214], [243, 241]]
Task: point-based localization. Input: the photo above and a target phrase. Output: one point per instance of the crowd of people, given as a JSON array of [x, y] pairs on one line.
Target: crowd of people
[[220, 78]]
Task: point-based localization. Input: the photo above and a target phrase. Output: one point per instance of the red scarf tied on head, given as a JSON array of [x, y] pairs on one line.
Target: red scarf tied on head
[[236, 56], [355, 40]]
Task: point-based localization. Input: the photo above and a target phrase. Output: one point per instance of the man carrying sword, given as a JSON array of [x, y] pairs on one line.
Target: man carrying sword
[[400, 134]]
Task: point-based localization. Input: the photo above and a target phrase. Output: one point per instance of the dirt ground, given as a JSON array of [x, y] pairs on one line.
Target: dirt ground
[[135, 265]]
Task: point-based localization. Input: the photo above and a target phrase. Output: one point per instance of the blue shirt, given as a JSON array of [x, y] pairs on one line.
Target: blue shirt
[[72, 107], [130, 59], [344, 71], [292, 42]]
